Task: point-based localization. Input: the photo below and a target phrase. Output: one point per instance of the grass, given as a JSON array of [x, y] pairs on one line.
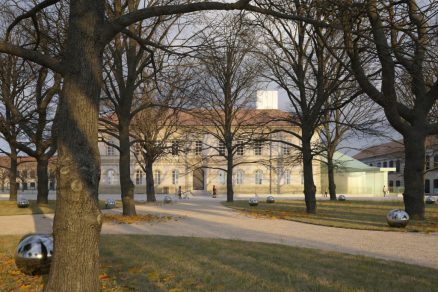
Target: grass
[[9, 208], [369, 215], [159, 263]]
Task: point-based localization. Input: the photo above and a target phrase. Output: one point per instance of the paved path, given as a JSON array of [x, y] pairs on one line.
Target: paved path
[[208, 218]]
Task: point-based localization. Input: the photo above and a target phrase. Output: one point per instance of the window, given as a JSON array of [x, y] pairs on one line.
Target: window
[[379, 164], [137, 150], [198, 147], [371, 164], [397, 183], [385, 164], [109, 150], [287, 177], [175, 177], [157, 177], [138, 177], [32, 173], [391, 183], [221, 148], [427, 186], [32, 185], [391, 163], [239, 177], [175, 148], [222, 176], [110, 177], [286, 149], [24, 173], [258, 177], [258, 148], [240, 148], [397, 166], [435, 184]]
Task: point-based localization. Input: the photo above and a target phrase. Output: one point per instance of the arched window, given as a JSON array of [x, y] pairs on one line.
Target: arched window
[[222, 176], [287, 178], [110, 177], [239, 177], [175, 176], [139, 177], [157, 177], [258, 177]]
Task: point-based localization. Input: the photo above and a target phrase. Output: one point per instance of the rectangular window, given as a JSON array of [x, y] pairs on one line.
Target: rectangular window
[[397, 166], [239, 177], [397, 183], [379, 164], [198, 147], [175, 148], [286, 149], [258, 148], [222, 176], [385, 164], [109, 150], [391, 183], [175, 177], [427, 186], [287, 179], [221, 148], [435, 184], [240, 148], [391, 163], [258, 177]]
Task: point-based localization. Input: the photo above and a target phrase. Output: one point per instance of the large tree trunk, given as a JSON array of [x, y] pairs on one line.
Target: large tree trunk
[[13, 174], [309, 185], [413, 195], [230, 191], [126, 184], [331, 177], [77, 223], [43, 181], [150, 186]]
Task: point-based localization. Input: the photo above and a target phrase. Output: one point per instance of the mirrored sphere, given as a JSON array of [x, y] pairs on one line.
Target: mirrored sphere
[[430, 200], [270, 199], [23, 203], [342, 198], [397, 218], [110, 203], [167, 200], [253, 202], [34, 253]]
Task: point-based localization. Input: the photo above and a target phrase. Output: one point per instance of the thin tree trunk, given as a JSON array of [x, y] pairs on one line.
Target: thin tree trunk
[[331, 177], [309, 185], [413, 195], [150, 186], [43, 181], [13, 174], [230, 191], [126, 184], [77, 223]]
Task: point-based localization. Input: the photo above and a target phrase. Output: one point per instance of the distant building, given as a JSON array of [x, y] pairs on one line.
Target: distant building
[[391, 155]]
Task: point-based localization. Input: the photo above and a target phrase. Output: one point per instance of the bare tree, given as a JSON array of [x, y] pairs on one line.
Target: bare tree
[[302, 64], [228, 80], [79, 62], [399, 37]]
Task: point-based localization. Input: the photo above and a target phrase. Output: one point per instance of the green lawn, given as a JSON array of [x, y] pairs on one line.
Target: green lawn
[[159, 263], [369, 215], [9, 208]]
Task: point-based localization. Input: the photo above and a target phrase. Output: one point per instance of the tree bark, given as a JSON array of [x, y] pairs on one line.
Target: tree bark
[[415, 155], [43, 181], [77, 223], [230, 190], [309, 185], [150, 186], [126, 184], [331, 177], [13, 174]]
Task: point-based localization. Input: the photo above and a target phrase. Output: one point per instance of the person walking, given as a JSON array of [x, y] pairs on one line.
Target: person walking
[[214, 191], [385, 191], [179, 192]]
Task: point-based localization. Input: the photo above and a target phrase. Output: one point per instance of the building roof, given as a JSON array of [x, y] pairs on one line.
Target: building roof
[[5, 161], [390, 148], [345, 163]]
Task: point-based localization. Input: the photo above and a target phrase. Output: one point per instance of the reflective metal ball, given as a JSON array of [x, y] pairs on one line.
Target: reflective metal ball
[[22, 203], [167, 200], [110, 203], [270, 199], [430, 200], [253, 202], [34, 253], [397, 218], [342, 198]]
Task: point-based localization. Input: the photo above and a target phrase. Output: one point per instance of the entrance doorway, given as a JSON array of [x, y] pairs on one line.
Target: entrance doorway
[[198, 179]]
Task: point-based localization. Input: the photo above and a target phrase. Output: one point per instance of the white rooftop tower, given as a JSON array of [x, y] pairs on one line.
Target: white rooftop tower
[[267, 99]]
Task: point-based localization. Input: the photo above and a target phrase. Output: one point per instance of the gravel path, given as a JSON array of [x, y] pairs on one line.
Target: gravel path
[[208, 218]]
